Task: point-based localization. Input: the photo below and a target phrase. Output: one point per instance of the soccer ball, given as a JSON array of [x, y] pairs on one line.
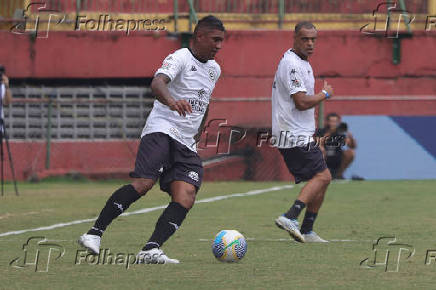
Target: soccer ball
[[229, 246]]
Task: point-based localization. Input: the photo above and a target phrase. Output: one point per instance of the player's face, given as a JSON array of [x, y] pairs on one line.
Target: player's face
[[209, 43], [304, 41]]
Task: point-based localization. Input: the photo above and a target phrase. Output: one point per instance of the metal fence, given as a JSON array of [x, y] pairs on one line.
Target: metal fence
[[77, 113]]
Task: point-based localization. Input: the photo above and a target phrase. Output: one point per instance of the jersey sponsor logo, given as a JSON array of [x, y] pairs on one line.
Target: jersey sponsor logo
[[198, 105], [193, 175]]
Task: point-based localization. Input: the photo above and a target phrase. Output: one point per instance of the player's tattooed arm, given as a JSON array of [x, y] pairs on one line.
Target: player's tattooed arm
[[304, 102], [160, 90], [201, 128]]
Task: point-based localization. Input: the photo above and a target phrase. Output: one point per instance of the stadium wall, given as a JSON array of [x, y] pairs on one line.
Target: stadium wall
[[355, 64]]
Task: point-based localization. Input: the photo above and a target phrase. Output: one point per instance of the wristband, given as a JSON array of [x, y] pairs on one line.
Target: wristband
[[327, 96]]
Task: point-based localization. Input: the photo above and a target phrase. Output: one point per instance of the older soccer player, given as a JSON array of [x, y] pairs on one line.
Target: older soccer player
[[293, 126]]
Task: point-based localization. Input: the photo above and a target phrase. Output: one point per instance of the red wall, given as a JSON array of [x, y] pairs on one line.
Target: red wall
[[355, 64]]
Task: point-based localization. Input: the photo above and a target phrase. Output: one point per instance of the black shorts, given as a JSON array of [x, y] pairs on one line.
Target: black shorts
[[304, 162], [161, 157]]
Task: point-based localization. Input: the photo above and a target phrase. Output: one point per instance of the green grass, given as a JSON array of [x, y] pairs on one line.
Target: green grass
[[358, 211]]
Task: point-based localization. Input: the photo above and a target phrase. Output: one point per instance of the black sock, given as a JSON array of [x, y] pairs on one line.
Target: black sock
[[309, 219], [295, 210], [115, 205], [166, 225]]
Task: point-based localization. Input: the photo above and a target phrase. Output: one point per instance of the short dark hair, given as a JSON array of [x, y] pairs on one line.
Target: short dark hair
[[303, 24], [332, 115], [209, 22]]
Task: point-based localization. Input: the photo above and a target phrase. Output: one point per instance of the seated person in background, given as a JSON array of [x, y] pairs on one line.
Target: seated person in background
[[337, 145]]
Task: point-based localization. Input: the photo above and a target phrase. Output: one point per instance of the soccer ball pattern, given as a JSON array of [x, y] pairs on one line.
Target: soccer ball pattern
[[229, 246]]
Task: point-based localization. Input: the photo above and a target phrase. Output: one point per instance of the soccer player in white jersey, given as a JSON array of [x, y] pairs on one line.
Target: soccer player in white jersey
[[293, 127], [183, 87]]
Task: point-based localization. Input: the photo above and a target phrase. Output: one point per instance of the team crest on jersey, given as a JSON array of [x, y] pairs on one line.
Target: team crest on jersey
[[193, 175], [212, 75]]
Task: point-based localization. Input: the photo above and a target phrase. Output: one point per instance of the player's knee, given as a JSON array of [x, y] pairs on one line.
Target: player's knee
[[325, 177], [142, 186], [186, 197]]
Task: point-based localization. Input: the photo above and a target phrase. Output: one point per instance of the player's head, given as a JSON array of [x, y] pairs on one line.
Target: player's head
[[304, 38], [332, 120], [208, 37]]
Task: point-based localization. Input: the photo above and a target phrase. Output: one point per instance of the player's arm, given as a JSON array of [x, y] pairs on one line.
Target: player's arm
[[8, 95], [200, 129], [304, 101], [160, 90]]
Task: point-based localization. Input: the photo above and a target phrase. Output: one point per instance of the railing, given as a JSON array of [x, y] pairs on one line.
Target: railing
[[77, 113]]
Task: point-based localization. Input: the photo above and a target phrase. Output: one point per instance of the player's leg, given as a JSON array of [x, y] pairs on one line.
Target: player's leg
[[312, 212], [347, 159], [182, 181], [117, 203], [305, 163], [152, 154], [182, 200]]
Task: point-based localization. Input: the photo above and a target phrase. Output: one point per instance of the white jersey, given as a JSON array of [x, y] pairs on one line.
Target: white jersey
[[290, 126], [192, 81]]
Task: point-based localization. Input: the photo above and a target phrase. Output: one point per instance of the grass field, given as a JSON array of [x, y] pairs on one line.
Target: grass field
[[355, 214]]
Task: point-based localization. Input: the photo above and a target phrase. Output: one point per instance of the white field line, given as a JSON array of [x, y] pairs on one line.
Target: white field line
[[292, 240], [150, 209]]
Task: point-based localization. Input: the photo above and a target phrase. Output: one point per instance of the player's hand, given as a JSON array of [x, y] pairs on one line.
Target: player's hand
[[181, 106], [328, 88]]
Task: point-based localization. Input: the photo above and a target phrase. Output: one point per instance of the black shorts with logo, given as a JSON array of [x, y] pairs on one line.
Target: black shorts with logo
[[161, 157], [304, 162]]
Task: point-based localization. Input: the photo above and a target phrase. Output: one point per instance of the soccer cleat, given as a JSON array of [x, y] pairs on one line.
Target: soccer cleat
[[291, 226], [91, 242], [312, 237], [154, 256]]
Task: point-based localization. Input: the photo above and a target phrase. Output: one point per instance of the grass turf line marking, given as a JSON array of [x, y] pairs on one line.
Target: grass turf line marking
[[292, 240], [150, 209]]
